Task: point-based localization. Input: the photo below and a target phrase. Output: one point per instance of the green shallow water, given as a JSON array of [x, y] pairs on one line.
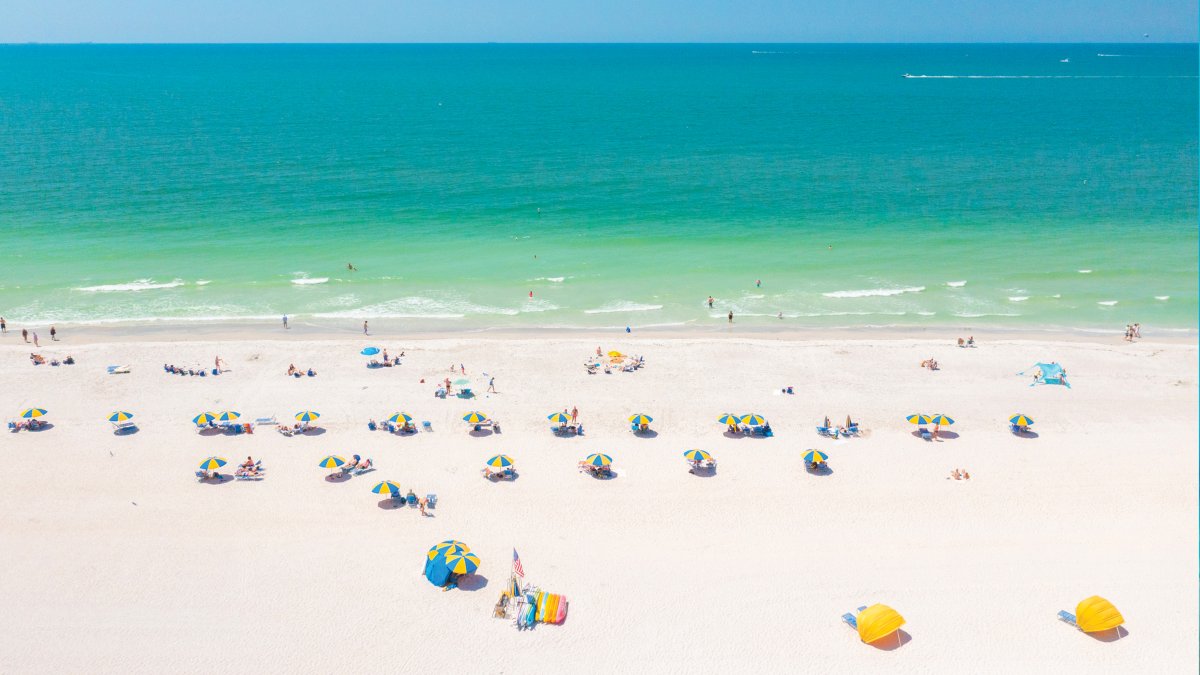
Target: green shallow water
[[622, 185]]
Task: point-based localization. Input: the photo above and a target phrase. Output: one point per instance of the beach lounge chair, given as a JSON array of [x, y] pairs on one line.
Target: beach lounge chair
[[466, 393], [925, 434], [118, 370], [852, 429], [268, 421], [430, 500], [851, 619], [1068, 618], [426, 425], [823, 431], [125, 427], [411, 499], [365, 466]]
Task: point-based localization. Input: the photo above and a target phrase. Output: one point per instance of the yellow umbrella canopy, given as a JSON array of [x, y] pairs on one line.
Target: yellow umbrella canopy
[[1095, 614], [878, 621]]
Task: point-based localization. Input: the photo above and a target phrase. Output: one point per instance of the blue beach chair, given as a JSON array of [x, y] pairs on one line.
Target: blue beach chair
[[1068, 618]]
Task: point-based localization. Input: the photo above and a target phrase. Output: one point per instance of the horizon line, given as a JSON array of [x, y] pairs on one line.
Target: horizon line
[[597, 43]]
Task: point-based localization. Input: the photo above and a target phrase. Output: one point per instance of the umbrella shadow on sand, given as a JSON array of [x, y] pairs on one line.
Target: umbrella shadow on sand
[[822, 470], [649, 433], [211, 431], [480, 433], [219, 479], [1026, 434], [892, 642], [703, 471], [947, 435], [312, 431], [339, 477], [42, 426], [472, 582], [390, 504]]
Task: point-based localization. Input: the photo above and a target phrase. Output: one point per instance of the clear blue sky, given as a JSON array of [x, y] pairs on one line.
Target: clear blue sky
[[597, 20]]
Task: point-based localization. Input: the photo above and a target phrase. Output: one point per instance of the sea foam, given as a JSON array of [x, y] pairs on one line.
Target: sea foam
[[133, 286], [309, 281], [873, 292], [622, 306]]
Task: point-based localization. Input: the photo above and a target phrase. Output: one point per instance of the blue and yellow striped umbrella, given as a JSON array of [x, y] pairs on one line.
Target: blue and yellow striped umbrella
[[754, 420], [331, 462], [640, 419], [120, 416], [387, 487], [918, 418], [449, 547], [599, 460], [815, 457], [729, 419], [1020, 420], [696, 455], [228, 416], [213, 463], [33, 413], [307, 416], [500, 461], [204, 418], [462, 563], [474, 417], [940, 420], [400, 418], [561, 418]]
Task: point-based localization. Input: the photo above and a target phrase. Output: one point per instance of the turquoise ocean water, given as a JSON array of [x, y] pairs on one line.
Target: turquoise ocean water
[[1014, 186]]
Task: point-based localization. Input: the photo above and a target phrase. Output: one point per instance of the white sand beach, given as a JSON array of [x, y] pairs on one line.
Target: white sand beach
[[118, 561]]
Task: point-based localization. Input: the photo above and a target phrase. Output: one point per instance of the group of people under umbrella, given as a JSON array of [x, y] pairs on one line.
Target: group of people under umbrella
[[30, 419]]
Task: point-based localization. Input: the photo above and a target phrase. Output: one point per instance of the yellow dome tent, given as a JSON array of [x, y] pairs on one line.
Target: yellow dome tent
[[878, 621], [1095, 614]]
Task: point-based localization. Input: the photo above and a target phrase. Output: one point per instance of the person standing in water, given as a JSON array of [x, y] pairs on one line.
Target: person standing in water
[[758, 283], [25, 334], [731, 316], [710, 302], [3, 325], [285, 321], [53, 334]]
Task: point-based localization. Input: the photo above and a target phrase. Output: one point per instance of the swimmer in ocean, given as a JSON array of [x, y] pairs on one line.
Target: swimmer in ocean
[[351, 267]]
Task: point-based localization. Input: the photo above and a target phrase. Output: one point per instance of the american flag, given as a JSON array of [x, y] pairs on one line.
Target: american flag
[[520, 571]]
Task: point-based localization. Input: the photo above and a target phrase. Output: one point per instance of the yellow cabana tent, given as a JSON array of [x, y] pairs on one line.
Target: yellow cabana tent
[[878, 621], [1095, 614]]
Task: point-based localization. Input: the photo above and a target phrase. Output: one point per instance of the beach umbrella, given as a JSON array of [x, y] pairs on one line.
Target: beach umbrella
[[33, 413], [387, 487], [400, 418], [729, 419], [120, 416], [941, 420], [228, 416], [878, 621], [213, 463], [370, 351], [599, 460], [462, 382], [331, 462], [462, 563], [754, 419], [615, 354], [307, 416], [500, 461], [1020, 420], [561, 418], [815, 457], [474, 417], [204, 418], [640, 419], [450, 546], [696, 455], [1095, 614], [918, 418]]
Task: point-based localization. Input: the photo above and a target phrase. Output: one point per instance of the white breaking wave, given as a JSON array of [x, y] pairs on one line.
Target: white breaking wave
[[557, 280], [956, 284], [1018, 298], [1107, 303], [1162, 297], [1085, 271], [622, 306], [538, 305], [139, 285], [873, 292], [968, 315], [307, 281], [203, 282]]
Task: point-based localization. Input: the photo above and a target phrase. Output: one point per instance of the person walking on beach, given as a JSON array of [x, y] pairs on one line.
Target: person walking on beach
[[35, 339], [1137, 330], [285, 321], [53, 334], [462, 369], [492, 385], [25, 335], [731, 316], [364, 328], [3, 326], [574, 414]]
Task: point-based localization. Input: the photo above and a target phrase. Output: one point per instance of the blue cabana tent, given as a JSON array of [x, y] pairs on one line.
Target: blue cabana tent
[[436, 570], [1047, 373]]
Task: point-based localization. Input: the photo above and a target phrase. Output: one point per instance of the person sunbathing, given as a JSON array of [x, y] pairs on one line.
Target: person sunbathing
[[291, 370], [364, 465], [312, 373], [956, 475], [248, 463], [965, 475]]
